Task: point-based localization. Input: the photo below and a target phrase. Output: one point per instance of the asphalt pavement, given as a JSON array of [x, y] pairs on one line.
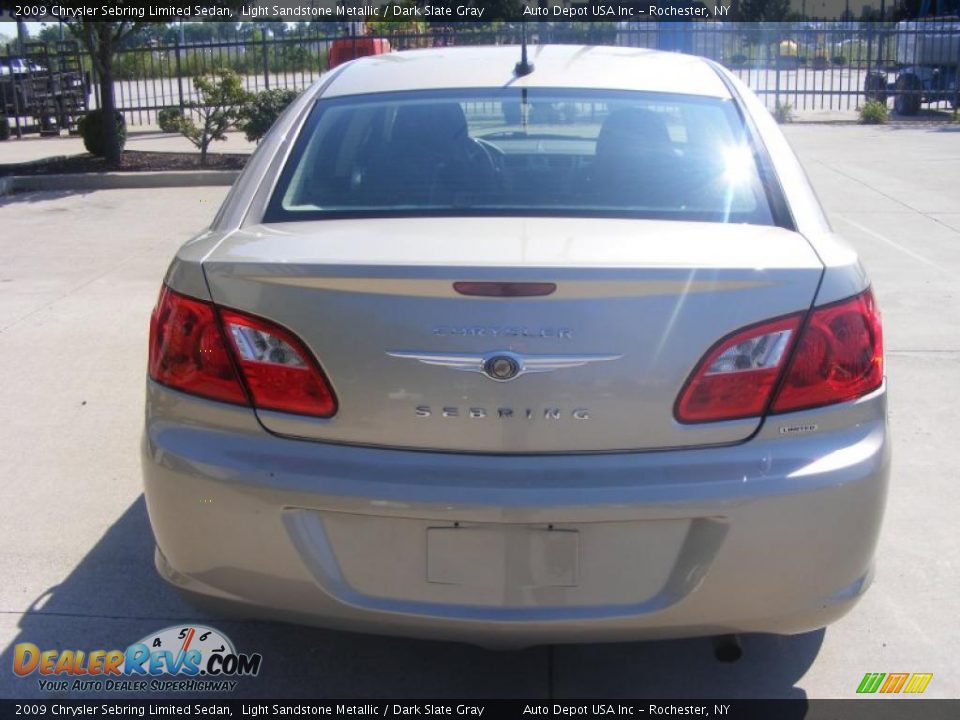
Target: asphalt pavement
[[79, 273]]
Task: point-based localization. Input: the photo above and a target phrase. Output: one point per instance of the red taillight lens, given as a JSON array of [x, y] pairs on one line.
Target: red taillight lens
[[281, 373], [191, 351], [839, 356], [187, 351], [735, 378]]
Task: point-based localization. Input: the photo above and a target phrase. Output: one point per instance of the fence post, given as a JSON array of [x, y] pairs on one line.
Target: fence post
[[266, 63], [13, 92], [776, 68], [176, 47]]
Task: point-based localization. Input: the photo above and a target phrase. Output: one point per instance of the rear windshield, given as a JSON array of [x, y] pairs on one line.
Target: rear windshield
[[538, 152]]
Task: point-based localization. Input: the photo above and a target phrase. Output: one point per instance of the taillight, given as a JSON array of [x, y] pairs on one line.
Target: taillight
[[187, 351], [735, 378], [837, 357], [191, 351], [280, 372]]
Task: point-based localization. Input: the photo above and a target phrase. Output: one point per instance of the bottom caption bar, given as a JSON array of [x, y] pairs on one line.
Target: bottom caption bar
[[865, 709]]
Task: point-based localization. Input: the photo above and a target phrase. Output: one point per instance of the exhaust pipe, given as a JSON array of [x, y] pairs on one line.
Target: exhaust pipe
[[727, 648]]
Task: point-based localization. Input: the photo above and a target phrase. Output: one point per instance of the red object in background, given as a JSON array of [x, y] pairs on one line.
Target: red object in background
[[343, 49]]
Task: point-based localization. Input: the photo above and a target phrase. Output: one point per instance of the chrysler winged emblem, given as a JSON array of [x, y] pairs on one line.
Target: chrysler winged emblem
[[502, 365]]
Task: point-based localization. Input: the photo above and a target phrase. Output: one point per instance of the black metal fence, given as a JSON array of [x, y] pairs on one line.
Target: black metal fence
[[807, 65], [823, 66]]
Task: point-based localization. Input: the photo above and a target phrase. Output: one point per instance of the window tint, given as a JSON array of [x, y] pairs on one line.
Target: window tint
[[523, 152]]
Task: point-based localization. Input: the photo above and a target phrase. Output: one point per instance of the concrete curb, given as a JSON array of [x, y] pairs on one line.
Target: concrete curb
[[117, 180]]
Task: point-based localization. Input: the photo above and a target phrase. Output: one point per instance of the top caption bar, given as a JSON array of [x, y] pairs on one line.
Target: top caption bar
[[665, 10]]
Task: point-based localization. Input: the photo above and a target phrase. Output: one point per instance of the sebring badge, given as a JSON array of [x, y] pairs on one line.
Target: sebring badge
[[503, 365]]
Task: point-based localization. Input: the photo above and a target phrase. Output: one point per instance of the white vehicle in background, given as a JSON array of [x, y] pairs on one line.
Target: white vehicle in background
[[18, 66]]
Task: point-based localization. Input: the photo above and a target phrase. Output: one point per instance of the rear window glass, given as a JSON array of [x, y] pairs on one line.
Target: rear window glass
[[523, 152]]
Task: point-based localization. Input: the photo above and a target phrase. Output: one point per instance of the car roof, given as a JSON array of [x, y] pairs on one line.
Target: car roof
[[556, 66]]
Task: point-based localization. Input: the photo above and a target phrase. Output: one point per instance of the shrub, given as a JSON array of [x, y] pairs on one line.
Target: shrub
[[738, 60], [91, 129], [874, 112], [221, 98], [838, 60], [4, 128], [129, 66], [169, 119], [259, 115], [783, 112], [788, 48]]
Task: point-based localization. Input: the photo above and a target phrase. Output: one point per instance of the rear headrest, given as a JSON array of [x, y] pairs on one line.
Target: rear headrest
[[434, 124], [630, 131]]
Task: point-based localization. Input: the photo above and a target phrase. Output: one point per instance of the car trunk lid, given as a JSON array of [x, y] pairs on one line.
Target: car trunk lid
[[602, 357]]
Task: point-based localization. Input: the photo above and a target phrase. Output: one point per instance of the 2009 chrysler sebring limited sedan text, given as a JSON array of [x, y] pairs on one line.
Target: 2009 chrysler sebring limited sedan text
[[510, 356]]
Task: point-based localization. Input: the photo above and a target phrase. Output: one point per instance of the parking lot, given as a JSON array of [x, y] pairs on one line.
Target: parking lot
[[79, 273]]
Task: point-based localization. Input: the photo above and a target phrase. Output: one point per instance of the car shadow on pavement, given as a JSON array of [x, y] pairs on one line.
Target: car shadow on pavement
[[114, 597], [769, 668]]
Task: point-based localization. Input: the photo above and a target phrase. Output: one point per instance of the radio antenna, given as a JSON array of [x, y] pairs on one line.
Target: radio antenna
[[524, 67]]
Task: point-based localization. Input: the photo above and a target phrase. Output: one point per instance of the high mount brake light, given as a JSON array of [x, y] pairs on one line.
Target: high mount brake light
[[191, 351], [837, 357], [505, 289]]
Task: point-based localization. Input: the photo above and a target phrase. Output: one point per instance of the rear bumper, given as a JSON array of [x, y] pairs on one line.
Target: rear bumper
[[773, 535]]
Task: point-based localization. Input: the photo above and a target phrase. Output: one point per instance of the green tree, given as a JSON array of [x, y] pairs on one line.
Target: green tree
[[226, 30], [222, 98], [198, 32], [908, 9], [49, 34], [101, 40], [763, 10], [259, 114], [395, 24]]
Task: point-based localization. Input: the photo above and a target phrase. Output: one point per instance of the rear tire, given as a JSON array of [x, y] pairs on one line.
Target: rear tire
[[907, 101]]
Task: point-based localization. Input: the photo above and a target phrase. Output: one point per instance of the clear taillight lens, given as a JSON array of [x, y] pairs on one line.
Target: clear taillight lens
[[281, 373], [735, 378], [195, 351]]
